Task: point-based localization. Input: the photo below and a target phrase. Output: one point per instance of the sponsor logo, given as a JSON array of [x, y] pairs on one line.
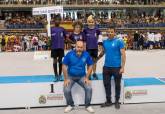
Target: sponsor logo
[[42, 99], [55, 97], [131, 93], [139, 92], [128, 95]]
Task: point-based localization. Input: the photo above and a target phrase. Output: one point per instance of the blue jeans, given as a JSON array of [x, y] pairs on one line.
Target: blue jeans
[[87, 89]]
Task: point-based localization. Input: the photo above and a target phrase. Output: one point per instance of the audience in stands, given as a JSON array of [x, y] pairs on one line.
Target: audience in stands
[[133, 22], [38, 42], [19, 21], [23, 42], [80, 2], [38, 22]]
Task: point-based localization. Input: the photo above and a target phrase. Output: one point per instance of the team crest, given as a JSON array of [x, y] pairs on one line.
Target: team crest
[[83, 59], [42, 99], [95, 35], [128, 95], [80, 37]]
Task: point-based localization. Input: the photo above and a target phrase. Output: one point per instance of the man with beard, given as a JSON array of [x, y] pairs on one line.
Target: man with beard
[[74, 70]]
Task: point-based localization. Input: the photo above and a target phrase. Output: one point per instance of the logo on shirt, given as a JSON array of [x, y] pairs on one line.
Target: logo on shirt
[[53, 34], [80, 37], [83, 59], [113, 44], [95, 35], [62, 34], [76, 38], [88, 34]]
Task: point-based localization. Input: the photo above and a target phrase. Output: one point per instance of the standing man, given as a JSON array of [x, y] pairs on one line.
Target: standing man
[[74, 70], [91, 38], [3, 43], [58, 35], [135, 40], [114, 63], [151, 40]]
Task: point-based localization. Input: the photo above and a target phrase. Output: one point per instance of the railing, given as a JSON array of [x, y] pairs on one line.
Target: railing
[[23, 30], [75, 3], [78, 2], [25, 26], [138, 25]]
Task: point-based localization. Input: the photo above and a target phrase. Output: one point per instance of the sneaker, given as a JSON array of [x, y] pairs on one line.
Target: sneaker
[[90, 109], [117, 105], [90, 78], [106, 104], [95, 77], [68, 109], [56, 78], [60, 78]]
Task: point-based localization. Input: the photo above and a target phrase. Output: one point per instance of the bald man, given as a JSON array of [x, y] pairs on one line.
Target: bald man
[[74, 70]]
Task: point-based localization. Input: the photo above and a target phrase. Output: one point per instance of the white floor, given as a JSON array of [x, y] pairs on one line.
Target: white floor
[[151, 108], [139, 64]]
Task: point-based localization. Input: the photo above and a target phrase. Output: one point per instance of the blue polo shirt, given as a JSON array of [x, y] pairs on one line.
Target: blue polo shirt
[[112, 52], [77, 65]]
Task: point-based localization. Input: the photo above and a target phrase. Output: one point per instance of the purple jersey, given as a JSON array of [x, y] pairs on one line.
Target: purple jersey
[[75, 37], [91, 37], [58, 35]]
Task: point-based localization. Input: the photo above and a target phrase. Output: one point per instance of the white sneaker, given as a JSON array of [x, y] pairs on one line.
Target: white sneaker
[[68, 109], [90, 109]]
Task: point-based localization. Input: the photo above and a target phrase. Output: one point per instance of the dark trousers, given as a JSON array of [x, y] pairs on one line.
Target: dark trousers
[[108, 72]]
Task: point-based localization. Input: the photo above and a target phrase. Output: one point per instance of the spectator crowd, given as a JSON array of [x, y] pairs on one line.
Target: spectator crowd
[[23, 42], [27, 21], [80, 2], [39, 42]]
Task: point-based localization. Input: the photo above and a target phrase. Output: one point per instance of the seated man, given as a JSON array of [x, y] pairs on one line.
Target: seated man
[[74, 70]]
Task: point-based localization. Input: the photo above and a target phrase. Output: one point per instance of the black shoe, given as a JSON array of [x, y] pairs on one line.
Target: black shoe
[[106, 104], [95, 77], [117, 105]]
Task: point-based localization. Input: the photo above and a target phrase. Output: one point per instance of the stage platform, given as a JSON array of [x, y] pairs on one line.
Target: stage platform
[[144, 90], [26, 80], [41, 90]]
